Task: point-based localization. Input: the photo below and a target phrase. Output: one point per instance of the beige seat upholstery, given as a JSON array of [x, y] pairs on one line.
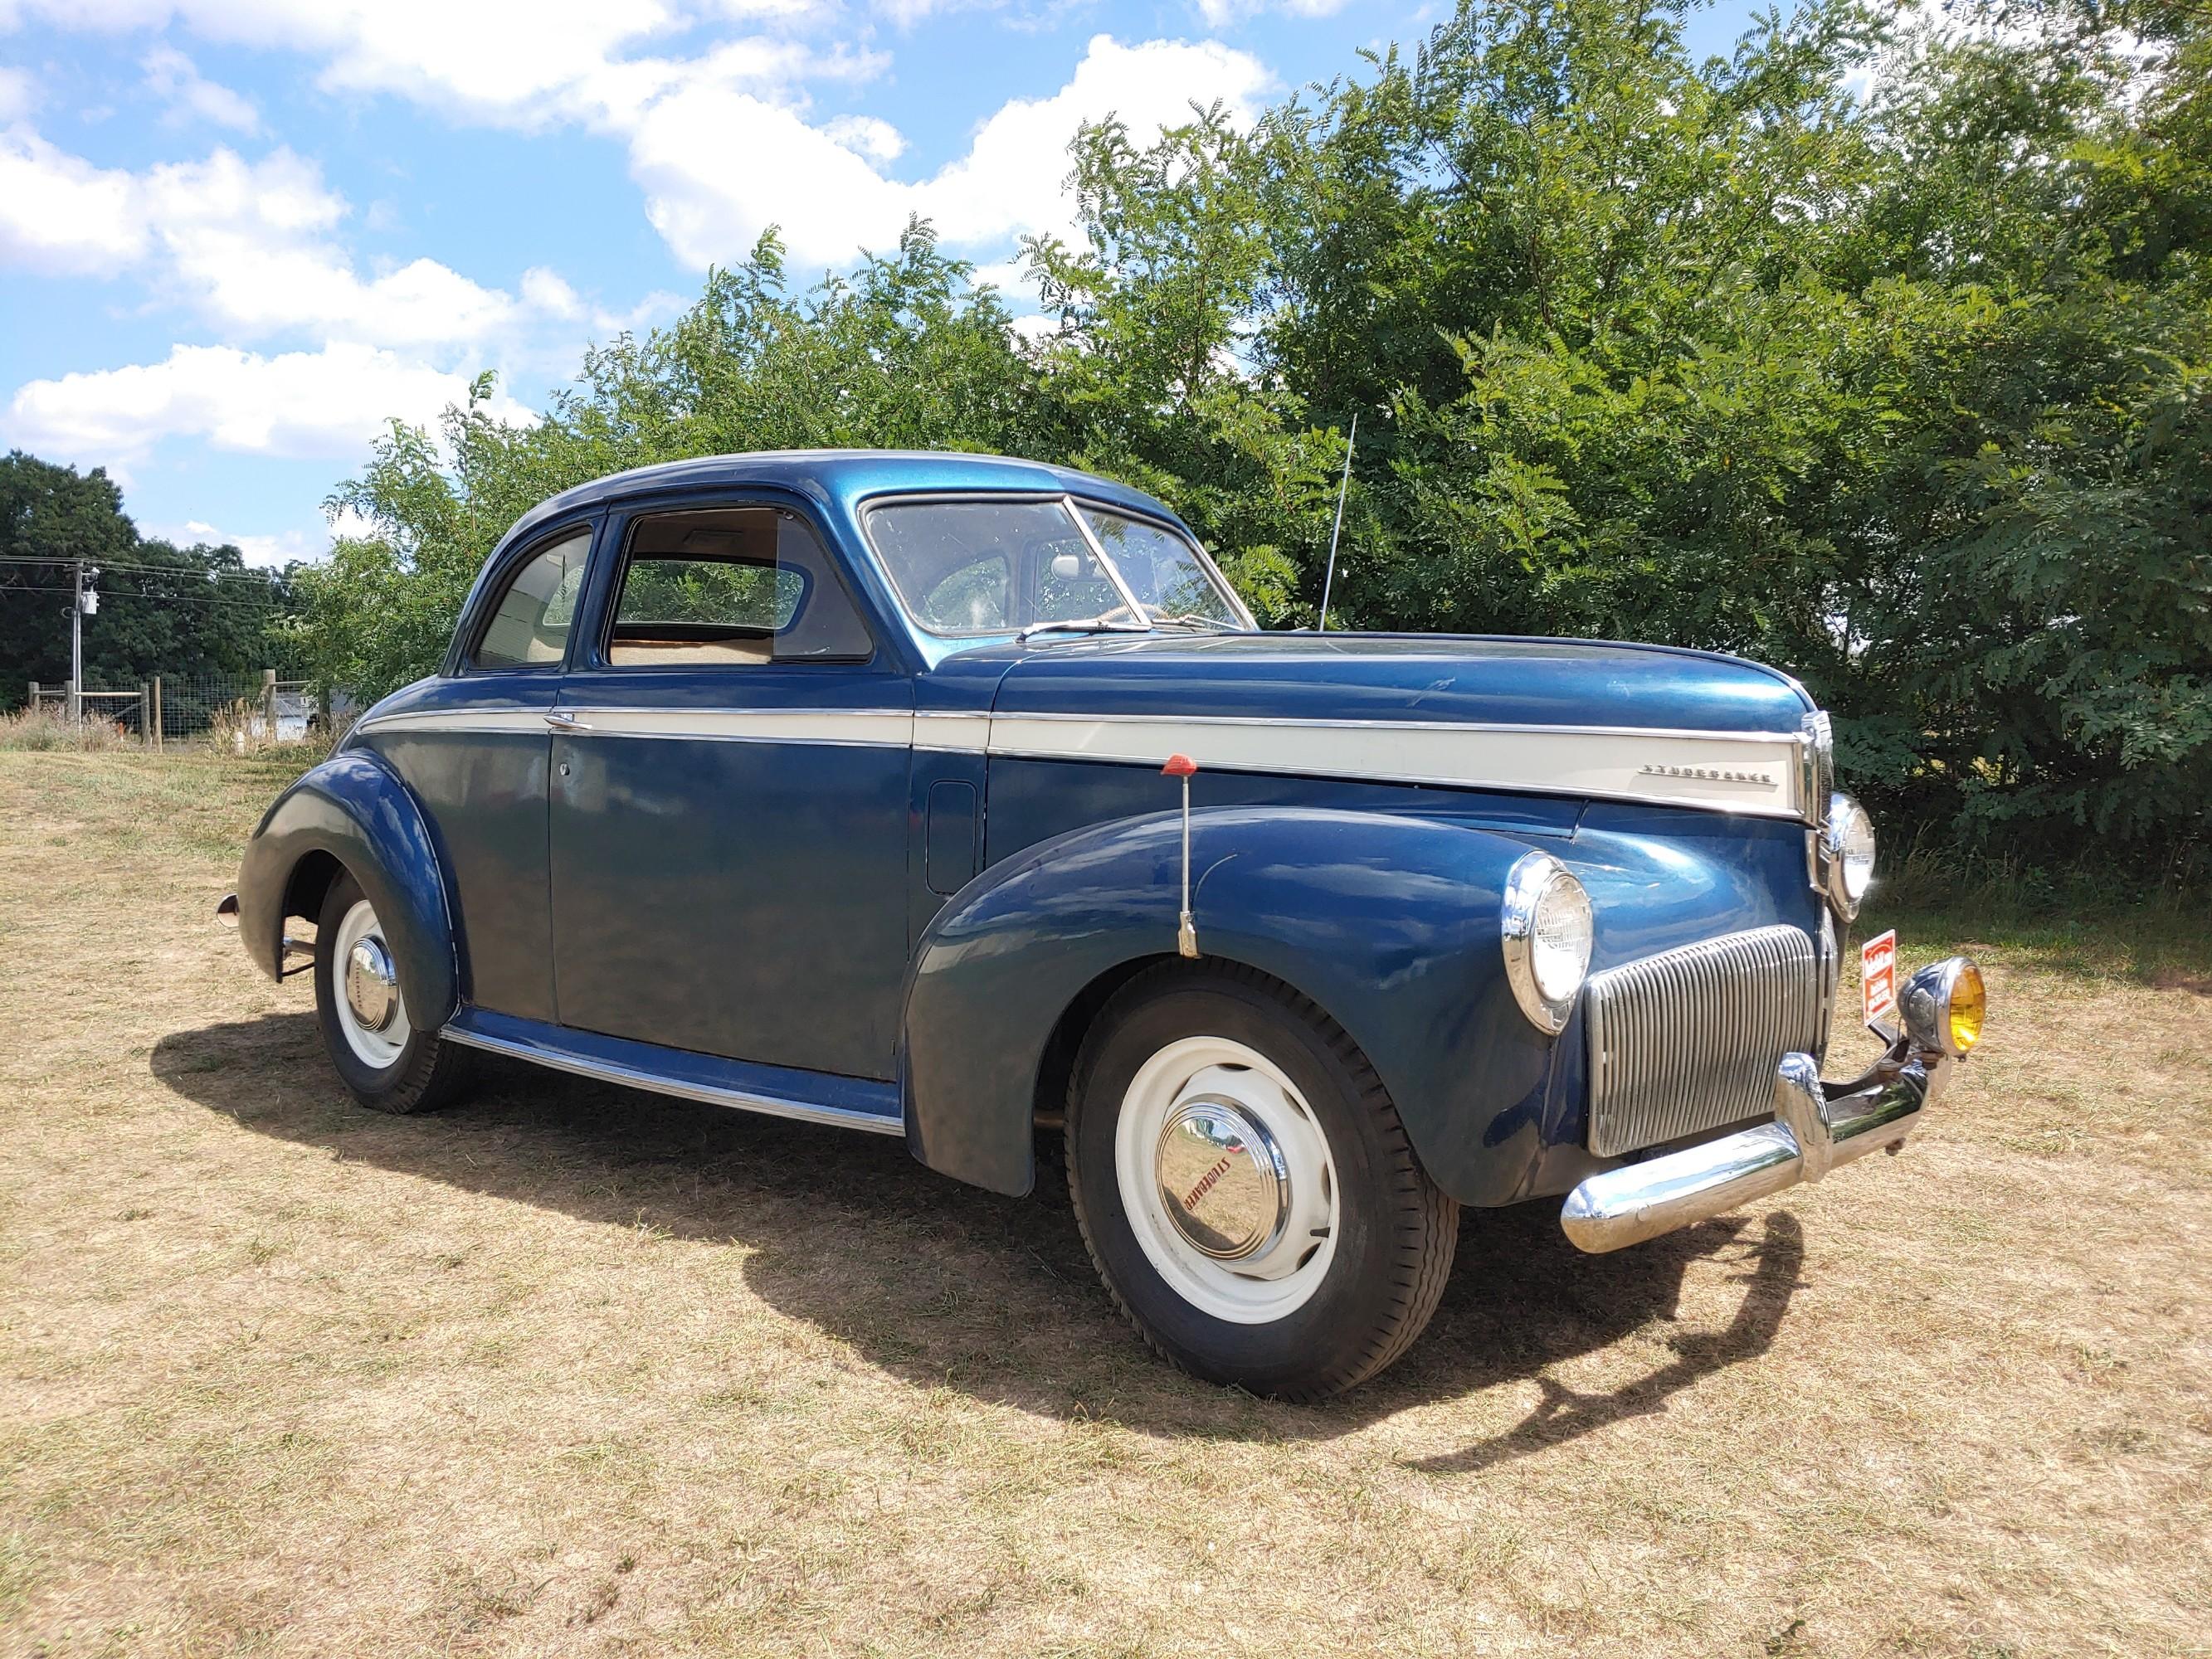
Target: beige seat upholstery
[[687, 653]]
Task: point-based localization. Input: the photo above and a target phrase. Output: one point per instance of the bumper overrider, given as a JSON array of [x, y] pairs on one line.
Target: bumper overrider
[[1817, 1127]]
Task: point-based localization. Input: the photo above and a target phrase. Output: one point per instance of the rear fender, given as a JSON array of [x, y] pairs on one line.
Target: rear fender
[[355, 809], [1390, 924]]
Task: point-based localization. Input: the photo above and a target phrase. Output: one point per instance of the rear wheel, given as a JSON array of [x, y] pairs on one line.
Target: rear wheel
[[1246, 1189], [383, 1058]]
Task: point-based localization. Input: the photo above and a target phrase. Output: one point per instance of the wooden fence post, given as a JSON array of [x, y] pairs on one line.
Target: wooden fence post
[[33, 704], [157, 713], [145, 708], [269, 701]]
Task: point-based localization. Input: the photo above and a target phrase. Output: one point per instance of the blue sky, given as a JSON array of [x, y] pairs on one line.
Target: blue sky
[[237, 235]]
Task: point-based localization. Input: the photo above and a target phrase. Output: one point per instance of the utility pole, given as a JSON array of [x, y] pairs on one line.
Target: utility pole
[[83, 603], [76, 649]]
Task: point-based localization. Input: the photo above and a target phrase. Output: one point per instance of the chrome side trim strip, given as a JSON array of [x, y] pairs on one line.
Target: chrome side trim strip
[[887, 728], [1328, 724], [530, 722], [632, 1077]]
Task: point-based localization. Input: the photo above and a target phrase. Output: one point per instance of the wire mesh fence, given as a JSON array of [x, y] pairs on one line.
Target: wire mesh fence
[[238, 711]]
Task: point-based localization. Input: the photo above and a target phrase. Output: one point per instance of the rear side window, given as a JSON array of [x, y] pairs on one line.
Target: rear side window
[[726, 588], [531, 623]]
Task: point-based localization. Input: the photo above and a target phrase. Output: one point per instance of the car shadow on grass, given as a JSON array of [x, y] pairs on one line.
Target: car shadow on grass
[[946, 1285]]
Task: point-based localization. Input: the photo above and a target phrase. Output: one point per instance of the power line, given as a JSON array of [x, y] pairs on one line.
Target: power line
[[257, 607], [260, 576]]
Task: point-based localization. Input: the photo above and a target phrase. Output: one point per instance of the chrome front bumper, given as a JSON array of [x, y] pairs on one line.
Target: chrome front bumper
[[1816, 1126]]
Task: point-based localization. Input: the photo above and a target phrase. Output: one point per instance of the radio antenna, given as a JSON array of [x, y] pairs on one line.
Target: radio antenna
[[1328, 578]]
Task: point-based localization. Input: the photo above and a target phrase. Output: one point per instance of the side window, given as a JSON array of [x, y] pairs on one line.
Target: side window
[[529, 624], [729, 586]]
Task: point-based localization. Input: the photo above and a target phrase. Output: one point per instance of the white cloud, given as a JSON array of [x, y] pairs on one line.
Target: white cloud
[[546, 290], [326, 402], [721, 143], [272, 551], [244, 244], [171, 77], [830, 201], [867, 135], [1014, 175], [60, 214], [483, 58]]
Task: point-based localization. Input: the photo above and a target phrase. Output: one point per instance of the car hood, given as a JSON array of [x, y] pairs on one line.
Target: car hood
[[1560, 716]]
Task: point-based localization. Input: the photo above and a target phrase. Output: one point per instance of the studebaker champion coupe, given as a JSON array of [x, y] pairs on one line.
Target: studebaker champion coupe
[[960, 798]]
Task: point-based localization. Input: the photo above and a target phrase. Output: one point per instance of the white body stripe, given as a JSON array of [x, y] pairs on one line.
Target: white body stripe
[[1720, 771], [1752, 773], [957, 734]]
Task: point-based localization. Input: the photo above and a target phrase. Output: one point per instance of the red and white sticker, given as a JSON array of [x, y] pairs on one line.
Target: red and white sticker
[[1878, 977]]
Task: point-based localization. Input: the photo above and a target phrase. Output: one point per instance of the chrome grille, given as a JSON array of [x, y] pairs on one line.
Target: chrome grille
[[1688, 1040]]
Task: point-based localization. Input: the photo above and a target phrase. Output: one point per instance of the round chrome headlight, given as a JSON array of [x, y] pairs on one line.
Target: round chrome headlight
[[1547, 935], [1848, 844]]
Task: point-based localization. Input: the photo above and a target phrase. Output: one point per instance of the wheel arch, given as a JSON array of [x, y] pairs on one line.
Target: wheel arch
[[310, 883], [353, 813], [1388, 925]]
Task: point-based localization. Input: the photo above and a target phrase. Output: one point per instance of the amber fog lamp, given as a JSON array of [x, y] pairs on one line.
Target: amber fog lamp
[[1968, 1004], [1944, 1006]]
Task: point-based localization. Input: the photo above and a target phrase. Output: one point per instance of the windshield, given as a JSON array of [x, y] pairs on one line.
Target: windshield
[[977, 568]]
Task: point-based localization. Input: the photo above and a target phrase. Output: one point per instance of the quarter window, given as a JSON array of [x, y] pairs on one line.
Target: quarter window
[[728, 586], [529, 624]]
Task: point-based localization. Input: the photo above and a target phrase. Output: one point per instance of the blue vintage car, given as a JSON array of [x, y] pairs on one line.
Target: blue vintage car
[[960, 798]]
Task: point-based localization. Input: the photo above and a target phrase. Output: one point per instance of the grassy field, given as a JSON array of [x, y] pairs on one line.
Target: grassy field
[[570, 1370]]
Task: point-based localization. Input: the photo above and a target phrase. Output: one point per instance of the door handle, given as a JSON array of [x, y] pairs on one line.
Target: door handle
[[561, 720]]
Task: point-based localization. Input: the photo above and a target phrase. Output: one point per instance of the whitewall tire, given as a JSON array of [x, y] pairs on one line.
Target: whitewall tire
[[360, 1002], [1245, 1187]]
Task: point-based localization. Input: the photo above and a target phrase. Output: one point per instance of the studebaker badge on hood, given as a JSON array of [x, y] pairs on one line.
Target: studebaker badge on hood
[[829, 784]]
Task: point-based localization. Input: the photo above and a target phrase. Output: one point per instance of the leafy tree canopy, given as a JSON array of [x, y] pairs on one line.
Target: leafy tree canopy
[[163, 609], [1877, 350]]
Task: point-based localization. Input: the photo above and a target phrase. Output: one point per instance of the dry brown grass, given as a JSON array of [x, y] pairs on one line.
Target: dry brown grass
[[46, 725], [575, 1370]]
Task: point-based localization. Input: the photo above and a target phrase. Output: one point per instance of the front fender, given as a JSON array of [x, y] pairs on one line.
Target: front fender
[[1389, 923], [357, 810]]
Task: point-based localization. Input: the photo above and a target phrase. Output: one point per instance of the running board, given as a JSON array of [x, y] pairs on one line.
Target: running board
[[850, 1102]]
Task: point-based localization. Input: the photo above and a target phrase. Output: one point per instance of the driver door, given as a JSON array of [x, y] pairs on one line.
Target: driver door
[[729, 800]]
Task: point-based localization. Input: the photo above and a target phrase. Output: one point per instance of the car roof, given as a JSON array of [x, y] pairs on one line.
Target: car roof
[[841, 476]]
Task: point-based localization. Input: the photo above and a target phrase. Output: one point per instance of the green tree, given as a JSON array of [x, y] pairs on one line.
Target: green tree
[[163, 609], [1876, 349]]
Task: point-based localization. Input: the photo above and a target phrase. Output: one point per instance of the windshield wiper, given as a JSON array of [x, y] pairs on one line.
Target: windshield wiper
[[1197, 621], [1099, 624]]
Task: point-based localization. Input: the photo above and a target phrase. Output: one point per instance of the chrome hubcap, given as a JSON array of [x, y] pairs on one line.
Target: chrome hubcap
[[1222, 1179], [372, 1014], [1226, 1179], [372, 988]]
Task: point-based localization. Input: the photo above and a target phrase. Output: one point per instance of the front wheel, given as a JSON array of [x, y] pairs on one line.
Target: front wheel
[[1246, 1189], [383, 1058]]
